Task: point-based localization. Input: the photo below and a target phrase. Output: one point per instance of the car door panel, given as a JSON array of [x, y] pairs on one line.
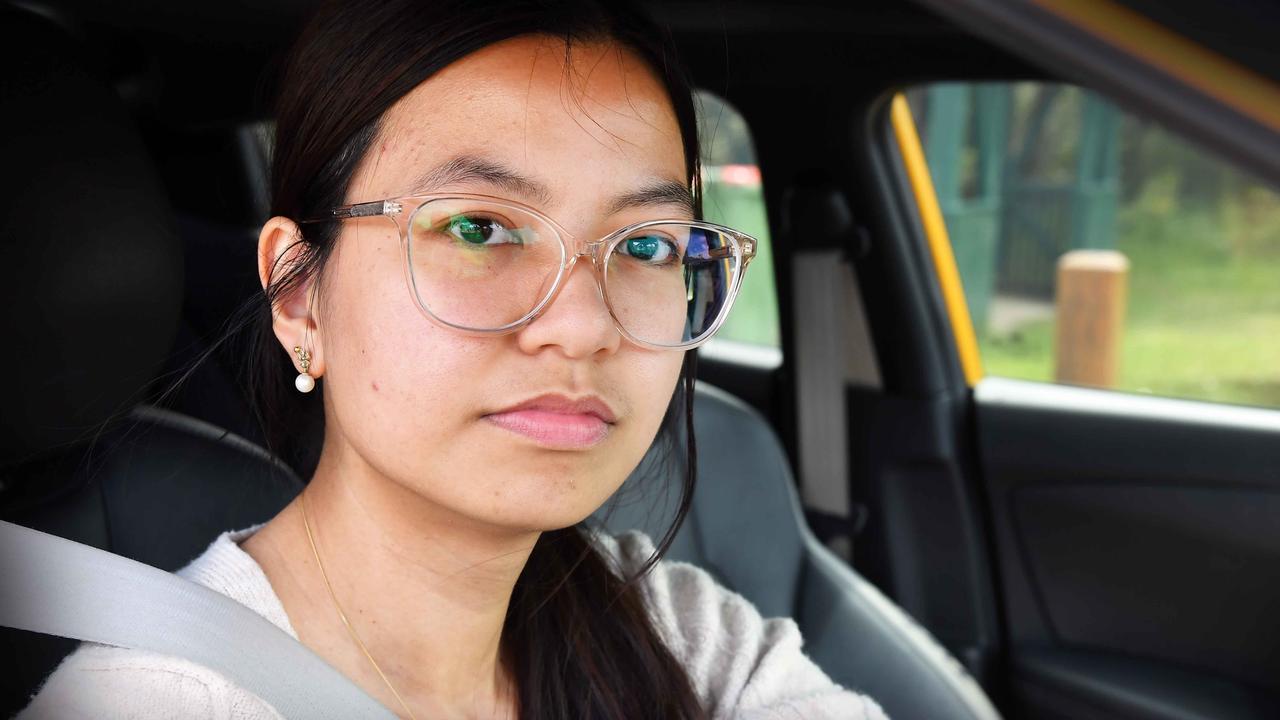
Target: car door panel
[[1138, 547], [1083, 685]]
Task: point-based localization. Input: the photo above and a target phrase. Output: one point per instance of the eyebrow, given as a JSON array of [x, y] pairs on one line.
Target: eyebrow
[[473, 168], [658, 192]]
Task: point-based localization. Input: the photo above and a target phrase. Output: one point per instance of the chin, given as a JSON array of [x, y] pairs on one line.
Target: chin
[[550, 503], [541, 520]]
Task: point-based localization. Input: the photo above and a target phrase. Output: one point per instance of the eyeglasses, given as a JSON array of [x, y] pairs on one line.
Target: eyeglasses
[[484, 265]]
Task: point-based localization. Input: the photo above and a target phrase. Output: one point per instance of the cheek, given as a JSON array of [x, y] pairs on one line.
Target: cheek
[[399, 364], [649, 378], [394, 377]]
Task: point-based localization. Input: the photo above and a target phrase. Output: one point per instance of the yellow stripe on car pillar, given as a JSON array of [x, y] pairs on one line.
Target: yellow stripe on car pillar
[[935, 230]]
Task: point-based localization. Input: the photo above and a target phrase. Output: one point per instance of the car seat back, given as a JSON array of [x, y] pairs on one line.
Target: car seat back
[[92, 277], [746, 528], [741, 527]]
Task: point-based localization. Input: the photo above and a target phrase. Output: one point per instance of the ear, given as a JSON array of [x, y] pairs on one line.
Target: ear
[[280, 247]]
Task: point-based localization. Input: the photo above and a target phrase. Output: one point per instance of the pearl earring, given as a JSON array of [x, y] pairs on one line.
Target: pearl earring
[[304, 382]]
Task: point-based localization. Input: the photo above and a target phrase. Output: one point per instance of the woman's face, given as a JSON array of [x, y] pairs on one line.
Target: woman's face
[[534, 429]]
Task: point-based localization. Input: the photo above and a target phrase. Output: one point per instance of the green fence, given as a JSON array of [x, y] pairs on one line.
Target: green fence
[[1022, 175]]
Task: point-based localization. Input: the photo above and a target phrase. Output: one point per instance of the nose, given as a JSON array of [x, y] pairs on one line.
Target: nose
[[577, 321]]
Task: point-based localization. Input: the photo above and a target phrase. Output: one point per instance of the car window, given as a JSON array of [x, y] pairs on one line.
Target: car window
[[732, 195], [1098, 248]]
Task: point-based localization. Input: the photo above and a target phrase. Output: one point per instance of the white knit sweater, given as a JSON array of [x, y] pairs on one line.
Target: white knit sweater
[[742, 666]]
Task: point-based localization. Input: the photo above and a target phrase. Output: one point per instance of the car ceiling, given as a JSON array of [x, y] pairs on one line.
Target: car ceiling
[[1243, 30], [193, 64], [224, 52]]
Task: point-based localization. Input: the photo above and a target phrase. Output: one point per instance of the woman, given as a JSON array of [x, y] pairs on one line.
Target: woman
[[444, 174]]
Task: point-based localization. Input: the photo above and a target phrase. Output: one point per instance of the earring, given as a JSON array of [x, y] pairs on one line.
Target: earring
[[304, 382]]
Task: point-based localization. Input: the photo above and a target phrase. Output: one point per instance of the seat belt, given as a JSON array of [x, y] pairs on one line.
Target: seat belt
[[56, 586], [819, 284], [833, 341]]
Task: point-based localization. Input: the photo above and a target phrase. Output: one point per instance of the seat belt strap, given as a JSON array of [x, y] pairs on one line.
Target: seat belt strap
[[820, 369], [56, 586], [833, 343]]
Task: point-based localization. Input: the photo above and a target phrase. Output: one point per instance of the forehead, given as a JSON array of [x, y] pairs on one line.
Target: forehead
[[586, 115]]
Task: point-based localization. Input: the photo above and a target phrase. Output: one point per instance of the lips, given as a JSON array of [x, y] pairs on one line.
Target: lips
[[557, 421]]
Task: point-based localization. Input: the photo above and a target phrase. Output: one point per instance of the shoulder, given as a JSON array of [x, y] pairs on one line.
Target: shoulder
[[101, 681], [225, 567], [741, 664]]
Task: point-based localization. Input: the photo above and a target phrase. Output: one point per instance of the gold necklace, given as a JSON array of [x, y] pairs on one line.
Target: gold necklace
[[343, 615]]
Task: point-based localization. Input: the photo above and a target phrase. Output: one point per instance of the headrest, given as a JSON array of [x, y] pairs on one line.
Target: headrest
[[90, 270]]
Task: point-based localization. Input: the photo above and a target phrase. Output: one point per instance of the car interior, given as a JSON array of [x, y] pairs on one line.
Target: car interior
[[953, 546]]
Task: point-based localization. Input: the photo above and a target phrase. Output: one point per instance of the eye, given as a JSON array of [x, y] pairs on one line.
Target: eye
[[650, 249], [480, 230]]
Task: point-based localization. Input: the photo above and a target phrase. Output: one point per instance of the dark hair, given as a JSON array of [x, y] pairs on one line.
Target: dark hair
[[577, 636]]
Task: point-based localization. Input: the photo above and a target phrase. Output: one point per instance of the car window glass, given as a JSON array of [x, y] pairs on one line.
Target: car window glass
[[732, 195], [1098, 248]]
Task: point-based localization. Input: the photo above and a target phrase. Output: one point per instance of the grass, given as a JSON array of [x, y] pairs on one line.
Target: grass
[[1233, 359]]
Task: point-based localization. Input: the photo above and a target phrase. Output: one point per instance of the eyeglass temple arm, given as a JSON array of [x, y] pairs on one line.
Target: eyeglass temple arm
[[746, 242], [366, 209]]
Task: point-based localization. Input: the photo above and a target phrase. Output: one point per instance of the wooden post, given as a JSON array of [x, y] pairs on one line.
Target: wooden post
[[1091, 293]]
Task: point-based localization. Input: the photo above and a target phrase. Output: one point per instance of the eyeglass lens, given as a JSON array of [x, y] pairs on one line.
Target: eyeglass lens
[[485, 265]]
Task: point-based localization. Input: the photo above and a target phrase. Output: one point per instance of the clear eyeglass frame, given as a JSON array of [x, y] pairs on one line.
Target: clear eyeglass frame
[[741, 246]]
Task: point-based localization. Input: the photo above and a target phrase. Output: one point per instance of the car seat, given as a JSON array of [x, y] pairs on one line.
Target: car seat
[[93, 270], [92, 275], [745, 526]]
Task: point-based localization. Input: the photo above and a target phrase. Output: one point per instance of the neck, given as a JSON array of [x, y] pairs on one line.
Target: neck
[[425, 590]]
